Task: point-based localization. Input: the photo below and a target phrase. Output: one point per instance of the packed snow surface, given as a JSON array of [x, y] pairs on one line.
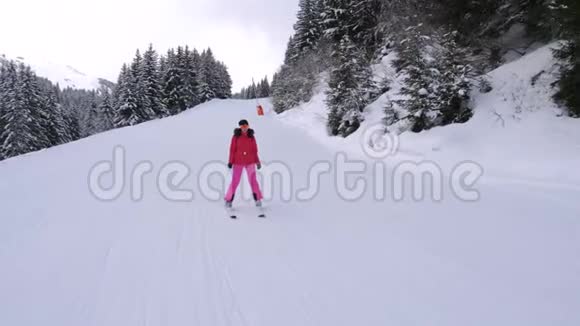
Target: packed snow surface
[[509, 258]]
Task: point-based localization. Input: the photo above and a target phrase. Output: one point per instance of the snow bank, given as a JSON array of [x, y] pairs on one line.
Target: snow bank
[[517, 134]]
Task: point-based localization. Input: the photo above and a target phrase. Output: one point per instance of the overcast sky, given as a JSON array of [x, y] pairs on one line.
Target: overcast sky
[[97, 37]]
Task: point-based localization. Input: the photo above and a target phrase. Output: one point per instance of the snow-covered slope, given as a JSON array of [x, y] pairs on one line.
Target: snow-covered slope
[[64, 75], [66, 258], [517, 134]]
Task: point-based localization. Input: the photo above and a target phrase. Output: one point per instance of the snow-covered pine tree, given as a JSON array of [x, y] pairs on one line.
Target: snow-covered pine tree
[[264, 88], [291, 54], [259, 89], [172, 84], [106, 112], [7, 82], [348, 89], [206, 80], [127, 111], [308, 28], [224, 81], [453, 85], [90, 118], [285, 88], [22, 127], [419, 83], [52, 119], [253, 91], [283, 97], [162, 66], [138, 86], [364, 27], [212, 77], [151, 83], [72, 126], [191, 76], [62, 128], [305, 58], [259, 86], [74, 104], [566, 15], [32, 96], [336, 19], [188, 86]]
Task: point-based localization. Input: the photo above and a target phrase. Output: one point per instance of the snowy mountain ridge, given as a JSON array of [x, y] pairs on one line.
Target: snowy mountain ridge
[[64, 75]]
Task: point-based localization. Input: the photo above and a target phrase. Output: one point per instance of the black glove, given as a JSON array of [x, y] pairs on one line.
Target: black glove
[[230, 165], [259, 165]]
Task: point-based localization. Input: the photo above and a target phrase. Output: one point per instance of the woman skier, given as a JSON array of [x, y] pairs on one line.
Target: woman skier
[[244, 156]]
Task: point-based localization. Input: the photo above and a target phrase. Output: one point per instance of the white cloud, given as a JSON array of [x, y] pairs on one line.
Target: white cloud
[[97, 37]]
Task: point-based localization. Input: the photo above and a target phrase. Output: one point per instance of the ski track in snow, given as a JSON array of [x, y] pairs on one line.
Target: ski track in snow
[[69, 259]]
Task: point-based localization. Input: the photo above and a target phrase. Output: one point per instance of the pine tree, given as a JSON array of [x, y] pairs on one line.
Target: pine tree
[[91, 123], [308, 28], [32, 97], [172, 85], [419, 82], [292, 86], [253, 94], [241, 95], [263, 88], [12, 117], [52, 117], [211, 69], [348, 89], [291, 53], [364, 26], [162, 65], [453, 85], [138, 86], [188, 76], [223, 81], [22, 131], [191, 78], [106, 112], [70, 99], [320, 25], [151, 83], [336, 19], [567, 19], [206, 80], [126, 105], [72, 130], [7, 97]]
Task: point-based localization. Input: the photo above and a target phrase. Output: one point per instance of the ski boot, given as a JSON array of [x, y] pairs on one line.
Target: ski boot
[[258, 202]]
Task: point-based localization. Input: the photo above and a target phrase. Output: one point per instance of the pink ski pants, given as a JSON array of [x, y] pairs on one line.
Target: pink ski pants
[[237, 176]]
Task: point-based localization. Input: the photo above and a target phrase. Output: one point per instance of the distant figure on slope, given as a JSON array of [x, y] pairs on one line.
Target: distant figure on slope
[[244, 155]]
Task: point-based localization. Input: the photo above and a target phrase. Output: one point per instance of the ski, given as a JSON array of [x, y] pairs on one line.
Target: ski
[[231, 213], [261, 211]]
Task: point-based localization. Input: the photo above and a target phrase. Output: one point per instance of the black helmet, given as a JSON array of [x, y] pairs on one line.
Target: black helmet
[[243, 122]]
